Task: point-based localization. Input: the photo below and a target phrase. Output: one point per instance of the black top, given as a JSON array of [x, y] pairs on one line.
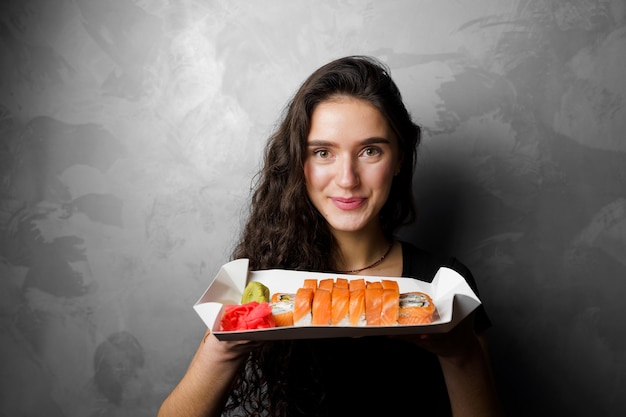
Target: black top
[[376, 375]]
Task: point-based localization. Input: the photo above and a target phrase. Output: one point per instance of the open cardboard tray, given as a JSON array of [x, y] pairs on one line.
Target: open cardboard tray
[[453, 298]]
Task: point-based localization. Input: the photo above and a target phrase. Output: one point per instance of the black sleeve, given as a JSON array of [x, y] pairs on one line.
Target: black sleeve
[[481, 320]]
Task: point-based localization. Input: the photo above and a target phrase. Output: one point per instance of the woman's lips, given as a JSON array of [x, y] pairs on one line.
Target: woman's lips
[[347, 203]]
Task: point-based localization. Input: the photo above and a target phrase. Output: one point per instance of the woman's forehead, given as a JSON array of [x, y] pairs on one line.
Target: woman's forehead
[[347, 118]]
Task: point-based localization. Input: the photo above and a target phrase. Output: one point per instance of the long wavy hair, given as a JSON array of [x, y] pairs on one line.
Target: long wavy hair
[[284, 229]]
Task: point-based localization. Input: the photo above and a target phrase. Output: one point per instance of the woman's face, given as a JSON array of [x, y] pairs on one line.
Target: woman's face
[[352, 157]]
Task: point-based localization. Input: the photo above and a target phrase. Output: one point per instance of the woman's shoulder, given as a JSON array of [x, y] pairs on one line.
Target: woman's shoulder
[[419, 263], [423, 265]]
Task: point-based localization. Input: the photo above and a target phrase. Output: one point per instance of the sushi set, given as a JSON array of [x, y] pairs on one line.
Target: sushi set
[[283, 304]]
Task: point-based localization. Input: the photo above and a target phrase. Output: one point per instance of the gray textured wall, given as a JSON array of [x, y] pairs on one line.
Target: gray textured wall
[[130, 130]]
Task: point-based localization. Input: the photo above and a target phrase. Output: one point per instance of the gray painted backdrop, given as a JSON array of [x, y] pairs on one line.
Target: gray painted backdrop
[[131, 130]]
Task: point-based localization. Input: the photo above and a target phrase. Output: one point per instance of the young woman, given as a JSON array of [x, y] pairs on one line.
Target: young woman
[[335, 187]]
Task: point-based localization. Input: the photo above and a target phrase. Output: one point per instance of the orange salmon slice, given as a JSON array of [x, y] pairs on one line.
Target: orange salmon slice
[[390, 307], [326, 284], [373, 305], [302, 307], [357, 284], [310, 283], [342, 283], [340, 299], [321, 307], [357, 307]]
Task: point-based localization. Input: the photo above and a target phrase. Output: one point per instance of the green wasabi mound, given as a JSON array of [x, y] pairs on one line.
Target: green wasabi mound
[[255, 291]]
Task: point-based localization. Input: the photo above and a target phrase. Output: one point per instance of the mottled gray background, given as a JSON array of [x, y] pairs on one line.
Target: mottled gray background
[[130, 130]]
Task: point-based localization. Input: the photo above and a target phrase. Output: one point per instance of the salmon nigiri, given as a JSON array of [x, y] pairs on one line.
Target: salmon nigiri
[[326, 284], [357, 307], [373, 284], [357, 284], [390, 284], [415, 308], [373, 305], [309, 283], [390, 307], [342, 283], [302, 307], [340, 303], [321, 307]]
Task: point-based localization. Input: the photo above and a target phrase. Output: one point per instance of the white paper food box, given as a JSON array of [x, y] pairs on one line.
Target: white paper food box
[[451, 294]]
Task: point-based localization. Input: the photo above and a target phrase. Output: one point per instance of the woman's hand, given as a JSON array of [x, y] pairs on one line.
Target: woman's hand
[[454, 344], [236, 350]]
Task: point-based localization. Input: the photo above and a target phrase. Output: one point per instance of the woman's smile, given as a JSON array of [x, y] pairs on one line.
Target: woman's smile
[[348, 203]]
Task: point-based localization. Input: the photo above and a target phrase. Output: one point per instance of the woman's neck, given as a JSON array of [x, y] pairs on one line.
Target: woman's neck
[[357, 250]]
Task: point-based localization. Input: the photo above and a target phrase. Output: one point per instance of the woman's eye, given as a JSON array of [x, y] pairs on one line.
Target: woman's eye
[[371, 152], [322, 153]]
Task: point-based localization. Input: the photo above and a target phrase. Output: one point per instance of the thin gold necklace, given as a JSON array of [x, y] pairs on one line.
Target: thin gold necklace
[[382, 258]]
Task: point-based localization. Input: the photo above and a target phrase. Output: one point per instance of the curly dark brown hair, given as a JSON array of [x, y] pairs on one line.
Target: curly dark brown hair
[[284, 229]]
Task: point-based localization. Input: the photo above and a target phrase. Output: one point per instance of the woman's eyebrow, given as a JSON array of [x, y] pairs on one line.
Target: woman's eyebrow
[[317, 142], [368, 141], [375, 140]]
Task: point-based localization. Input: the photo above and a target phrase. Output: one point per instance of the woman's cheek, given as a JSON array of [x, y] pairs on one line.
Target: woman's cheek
[[316, 176]]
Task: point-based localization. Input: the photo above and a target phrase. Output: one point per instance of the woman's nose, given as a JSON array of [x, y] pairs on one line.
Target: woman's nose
[[347, 175]]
